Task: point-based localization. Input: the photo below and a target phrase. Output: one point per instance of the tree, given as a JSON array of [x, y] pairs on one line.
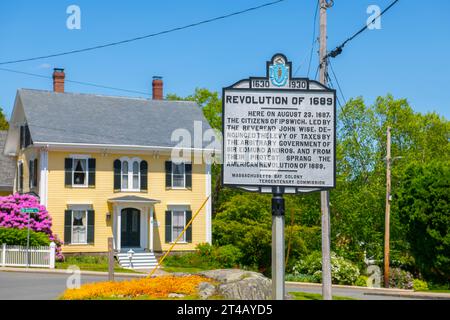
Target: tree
[[423, 205], [4, 125]]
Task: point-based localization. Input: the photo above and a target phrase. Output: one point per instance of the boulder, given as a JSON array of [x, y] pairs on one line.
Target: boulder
[[235, 284]]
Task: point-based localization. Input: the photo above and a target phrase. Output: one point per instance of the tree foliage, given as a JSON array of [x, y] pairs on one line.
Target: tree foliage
[[423, 202], [4, 125], [357, 203]]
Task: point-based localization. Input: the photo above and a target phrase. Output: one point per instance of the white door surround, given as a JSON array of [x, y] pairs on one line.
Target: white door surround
[[146, 220]]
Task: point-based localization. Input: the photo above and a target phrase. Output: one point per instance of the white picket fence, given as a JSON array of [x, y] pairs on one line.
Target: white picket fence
[[19, 256]]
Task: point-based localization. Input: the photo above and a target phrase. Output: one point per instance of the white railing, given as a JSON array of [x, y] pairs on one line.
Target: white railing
[[19, 256]]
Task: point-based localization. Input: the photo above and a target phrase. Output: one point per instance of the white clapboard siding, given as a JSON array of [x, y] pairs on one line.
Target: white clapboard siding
[[16, 256]]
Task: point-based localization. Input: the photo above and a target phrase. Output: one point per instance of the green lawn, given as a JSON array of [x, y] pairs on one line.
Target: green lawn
[[90, 263], [184, 269], [314, 296]]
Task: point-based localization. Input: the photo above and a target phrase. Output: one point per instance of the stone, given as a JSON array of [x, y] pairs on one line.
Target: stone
[[238, 284], [206, 290], [176, 295]]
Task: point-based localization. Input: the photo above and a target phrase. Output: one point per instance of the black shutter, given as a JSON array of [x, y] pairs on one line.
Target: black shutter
[[168, 174], [91, 167], [27, 136], [144, 173], [168, 226], [90, 226], [188, 173], [189, 230], [21, 177], [30, 174], [35, 173], [68, 164], [68, 227], [117, 171], [22, 137]]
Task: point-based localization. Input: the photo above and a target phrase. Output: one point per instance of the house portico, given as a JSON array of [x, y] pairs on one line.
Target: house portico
[[133, 223]]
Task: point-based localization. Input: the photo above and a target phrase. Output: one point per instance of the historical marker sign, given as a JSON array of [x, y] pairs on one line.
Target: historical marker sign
[[279, 131]]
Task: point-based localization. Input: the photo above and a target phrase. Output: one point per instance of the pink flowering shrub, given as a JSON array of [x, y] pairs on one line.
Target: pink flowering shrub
[[11, 217]]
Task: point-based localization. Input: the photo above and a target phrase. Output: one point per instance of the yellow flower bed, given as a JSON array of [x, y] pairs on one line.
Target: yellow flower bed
[[158, 287]]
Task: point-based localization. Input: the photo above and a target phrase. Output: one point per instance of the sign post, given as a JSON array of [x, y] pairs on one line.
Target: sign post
[[29, 211], [279, 136]]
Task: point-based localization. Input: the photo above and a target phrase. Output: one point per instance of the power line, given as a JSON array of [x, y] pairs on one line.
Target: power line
[[313, 43], [313, 38], [145, 36], [338, 50], [76, 82], [337, 81]]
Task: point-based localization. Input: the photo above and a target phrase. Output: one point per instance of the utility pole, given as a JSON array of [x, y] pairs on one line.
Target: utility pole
[[388, 209], [325, 195]]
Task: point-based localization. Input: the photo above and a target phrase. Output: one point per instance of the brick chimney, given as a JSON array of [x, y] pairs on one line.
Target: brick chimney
[[58, 79], [157, 86]]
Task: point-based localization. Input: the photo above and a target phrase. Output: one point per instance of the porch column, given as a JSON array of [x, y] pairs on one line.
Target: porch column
[[43, 183], [151, 228], [118, 228]]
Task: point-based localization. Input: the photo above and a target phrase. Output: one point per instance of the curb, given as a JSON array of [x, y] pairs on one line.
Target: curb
[[382, 291]]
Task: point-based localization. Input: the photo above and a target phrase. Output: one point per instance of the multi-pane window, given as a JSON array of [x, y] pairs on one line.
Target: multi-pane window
[[79, 227], [178, 175], [125, 175], [131, 175], [178, 224], [80, 171], [136, 175]]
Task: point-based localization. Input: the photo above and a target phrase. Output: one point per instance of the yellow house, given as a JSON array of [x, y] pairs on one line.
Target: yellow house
[[104, 167]]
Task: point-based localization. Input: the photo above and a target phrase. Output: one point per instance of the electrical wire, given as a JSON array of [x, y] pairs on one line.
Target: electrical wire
[[337, 81], [312, 44], [338, 50], [76, 82], [144, 36]]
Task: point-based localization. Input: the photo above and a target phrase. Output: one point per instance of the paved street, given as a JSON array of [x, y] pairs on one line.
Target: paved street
[[44, 286]]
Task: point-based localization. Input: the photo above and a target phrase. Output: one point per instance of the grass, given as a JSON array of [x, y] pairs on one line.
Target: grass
[[315, 296], [184, 269], [90, 263]]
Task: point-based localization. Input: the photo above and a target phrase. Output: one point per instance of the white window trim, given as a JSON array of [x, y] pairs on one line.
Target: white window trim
[[32, 184], [184, 176], [19, 173], [71, 227], [86, 180], [130, 162], [183, 240]]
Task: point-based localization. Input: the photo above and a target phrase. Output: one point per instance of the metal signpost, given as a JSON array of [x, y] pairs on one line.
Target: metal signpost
[[279, 136], [29, 211]]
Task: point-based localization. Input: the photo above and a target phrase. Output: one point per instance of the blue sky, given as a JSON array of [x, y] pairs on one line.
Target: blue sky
[[408, 57]]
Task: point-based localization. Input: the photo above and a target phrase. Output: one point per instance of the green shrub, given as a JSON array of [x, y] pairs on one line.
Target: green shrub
[[342, 270], [419, 285], [227, 256], [400, 279], [300, 278], [361, 281], [205, 249], [18, 237]]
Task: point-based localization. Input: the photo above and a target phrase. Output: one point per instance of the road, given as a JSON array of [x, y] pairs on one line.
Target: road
[[46, 286]]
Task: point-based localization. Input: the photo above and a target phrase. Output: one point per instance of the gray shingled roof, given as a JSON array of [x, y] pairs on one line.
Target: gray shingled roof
[[95, 119], [7, 165]]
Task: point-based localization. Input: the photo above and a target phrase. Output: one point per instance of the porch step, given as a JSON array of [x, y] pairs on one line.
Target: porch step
[[140, 260]]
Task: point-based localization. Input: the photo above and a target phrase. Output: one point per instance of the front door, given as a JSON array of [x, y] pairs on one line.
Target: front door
[[130, 228]]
